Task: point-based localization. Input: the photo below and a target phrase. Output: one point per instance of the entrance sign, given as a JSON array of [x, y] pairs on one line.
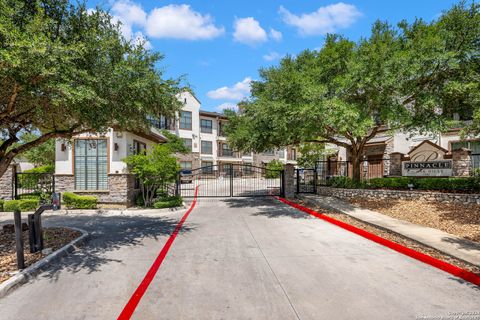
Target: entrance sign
[[440, 168]]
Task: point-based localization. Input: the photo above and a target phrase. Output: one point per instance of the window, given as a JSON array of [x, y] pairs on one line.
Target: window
[[139, 147], [185, 120], [207, 167], [186, 165], [162, 123], [226, 151], [205, 126], [281, 153], [294, 154], [247, 168], [270, 152], [227, 167], [221, 129], [474, 146], [206, 147], [188, 143], [91, 164]]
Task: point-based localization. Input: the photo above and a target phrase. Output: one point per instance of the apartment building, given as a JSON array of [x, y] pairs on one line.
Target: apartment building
[[203, 134], [92, 163]]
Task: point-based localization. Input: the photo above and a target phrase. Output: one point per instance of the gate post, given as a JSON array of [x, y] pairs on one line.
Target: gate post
[[288, 181], [231, 180]]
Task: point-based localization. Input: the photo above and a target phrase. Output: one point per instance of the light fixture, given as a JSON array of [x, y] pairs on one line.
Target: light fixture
[[63, 147], [115, 146]]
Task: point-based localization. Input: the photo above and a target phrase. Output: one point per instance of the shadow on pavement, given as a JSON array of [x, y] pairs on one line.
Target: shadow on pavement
[[107, 233], [267, 206]]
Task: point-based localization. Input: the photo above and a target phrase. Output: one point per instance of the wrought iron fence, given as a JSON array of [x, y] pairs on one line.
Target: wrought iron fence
[[475, 161], [33, 184], [369, 169]]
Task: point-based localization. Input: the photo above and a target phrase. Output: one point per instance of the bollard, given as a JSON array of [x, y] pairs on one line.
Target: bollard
[[19, 239]]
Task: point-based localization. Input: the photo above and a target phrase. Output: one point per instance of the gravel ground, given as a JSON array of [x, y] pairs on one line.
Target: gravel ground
[[395, 238], [54, 238], [457, 219]]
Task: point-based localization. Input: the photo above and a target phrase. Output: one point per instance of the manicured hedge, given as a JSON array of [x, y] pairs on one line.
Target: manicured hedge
[[22, 205], [1, 204], [168, 202], [75, 201], [468, 184]]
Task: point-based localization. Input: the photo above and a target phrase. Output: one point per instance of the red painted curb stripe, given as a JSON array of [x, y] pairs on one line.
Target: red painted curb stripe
[[138, 294], [442, 265]]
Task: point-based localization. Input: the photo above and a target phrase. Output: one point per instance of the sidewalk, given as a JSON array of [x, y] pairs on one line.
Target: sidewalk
[[457, 247]]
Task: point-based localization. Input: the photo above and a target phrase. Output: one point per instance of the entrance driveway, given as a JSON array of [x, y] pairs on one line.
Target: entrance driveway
[[236, 259]]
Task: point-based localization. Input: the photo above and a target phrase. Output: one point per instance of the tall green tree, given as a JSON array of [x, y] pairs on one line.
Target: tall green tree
[[64, 71], [345, 93], [157, 167]]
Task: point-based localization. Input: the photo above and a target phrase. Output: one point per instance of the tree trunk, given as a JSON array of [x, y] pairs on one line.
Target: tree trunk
[[356, 162], [4, 164]]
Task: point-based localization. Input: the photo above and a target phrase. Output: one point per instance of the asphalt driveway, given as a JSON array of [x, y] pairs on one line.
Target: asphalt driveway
[[236, 259]]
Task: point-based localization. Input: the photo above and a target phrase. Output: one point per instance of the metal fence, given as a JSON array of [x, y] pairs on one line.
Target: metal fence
[[369, 169], [475, 160], [33, 184]]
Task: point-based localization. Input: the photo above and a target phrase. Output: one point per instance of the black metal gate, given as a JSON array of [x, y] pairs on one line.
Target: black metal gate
[[305, 180], [231, 180], [30, 184]]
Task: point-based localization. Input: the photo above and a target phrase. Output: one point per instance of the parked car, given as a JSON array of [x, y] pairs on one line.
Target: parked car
[[186, 176]]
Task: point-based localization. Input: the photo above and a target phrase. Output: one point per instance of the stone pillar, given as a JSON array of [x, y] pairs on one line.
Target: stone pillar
[[461, 162], [395, 164], [289, 181], [6, 183]]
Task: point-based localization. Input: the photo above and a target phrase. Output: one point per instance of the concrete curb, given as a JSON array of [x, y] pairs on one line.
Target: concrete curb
[[450, 253], [23, 276], [116, 212]]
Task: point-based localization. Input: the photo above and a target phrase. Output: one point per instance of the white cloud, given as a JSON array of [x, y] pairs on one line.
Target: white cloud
[[227, 106], [181, 22], [129, 13], [234, 93], [272, 56], [249, 31], [325, 20], [275, 35]]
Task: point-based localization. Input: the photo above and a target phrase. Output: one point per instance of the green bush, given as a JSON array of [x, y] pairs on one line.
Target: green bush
[[1, 204], [469, 184], [345, 182], [168, 202], [48, 168], [22, 205], [273, 169], [75, 201], [139, 200]]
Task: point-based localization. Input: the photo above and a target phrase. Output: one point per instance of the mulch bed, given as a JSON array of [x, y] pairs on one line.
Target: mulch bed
[[395, 238], [455, 218], [54, 238]]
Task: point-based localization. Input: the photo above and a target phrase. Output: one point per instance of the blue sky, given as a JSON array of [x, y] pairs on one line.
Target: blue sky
[[220, 45]]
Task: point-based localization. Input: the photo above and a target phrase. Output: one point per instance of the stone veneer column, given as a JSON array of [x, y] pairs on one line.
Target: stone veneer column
[[289, 182], [395, 164], [6, 183], [121, 187], [461, 162]]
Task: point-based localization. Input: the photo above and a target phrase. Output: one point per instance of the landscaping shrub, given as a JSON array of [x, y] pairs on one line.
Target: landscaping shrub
[[273, 169], [168, 202], [345, 182], [22, 205], [75, 201], [468, 184], [1, 205]]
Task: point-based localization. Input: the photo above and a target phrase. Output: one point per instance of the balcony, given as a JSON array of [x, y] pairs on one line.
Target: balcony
[[227, 153]]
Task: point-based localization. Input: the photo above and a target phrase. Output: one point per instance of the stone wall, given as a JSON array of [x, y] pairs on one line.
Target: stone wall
[[6, 183], [400, 195], [289, 183], [461, 162], [121, 189]]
